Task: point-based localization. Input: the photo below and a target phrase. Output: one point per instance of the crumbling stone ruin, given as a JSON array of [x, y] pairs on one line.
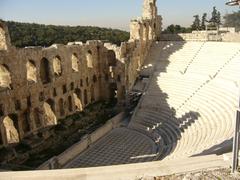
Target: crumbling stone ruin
[[39, 86]]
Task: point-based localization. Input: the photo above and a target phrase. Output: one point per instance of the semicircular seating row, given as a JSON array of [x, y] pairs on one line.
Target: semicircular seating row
[[191, 111]]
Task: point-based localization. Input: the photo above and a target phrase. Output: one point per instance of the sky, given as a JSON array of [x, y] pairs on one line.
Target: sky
[[105, 13]]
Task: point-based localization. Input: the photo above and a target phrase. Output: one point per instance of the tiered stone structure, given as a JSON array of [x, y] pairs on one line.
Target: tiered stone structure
[[39, 86]]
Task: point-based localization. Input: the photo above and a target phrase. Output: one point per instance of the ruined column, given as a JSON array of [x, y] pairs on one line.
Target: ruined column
[[149, 9]]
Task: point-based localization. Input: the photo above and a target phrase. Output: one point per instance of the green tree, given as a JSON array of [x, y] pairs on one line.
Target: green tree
[[215, 20], [26, 34], [175, 29], [232, 20], [204, 20], [196, 23]]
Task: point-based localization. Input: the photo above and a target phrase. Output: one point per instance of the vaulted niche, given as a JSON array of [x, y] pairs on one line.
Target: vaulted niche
[[89, 58], [5, 77], [57, 66], [77, 96], [45, 71], [31, 71], [75, 63]]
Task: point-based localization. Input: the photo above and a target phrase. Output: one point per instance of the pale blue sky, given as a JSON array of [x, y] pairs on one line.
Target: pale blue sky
[[104, 13]]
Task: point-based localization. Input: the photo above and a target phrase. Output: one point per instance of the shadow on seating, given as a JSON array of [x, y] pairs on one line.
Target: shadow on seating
[[160, 118], [219, 149]]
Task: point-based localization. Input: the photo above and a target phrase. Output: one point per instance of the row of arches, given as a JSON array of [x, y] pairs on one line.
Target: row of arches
[[57, 66], [45, 72], [15, 126], [52, 109]]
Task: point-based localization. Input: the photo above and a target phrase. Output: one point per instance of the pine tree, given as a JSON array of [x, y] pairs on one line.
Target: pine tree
[[196, 23], [204, 20], [216, 18]]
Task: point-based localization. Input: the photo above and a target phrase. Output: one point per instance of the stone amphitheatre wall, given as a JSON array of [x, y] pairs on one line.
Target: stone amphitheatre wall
[[39, 86]]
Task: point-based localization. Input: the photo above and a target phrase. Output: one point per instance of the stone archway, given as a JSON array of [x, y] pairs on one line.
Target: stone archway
[[112, 61], [89, 58], [5, 77], [75, 63], [31, 71], [11, 128], [45, 71], [77, 97], [49, 117], [57, 66]]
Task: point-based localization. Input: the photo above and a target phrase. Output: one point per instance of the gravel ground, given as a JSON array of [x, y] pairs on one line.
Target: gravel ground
[[220, 174]]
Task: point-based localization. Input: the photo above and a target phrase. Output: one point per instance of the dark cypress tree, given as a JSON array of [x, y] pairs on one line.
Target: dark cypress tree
[[196, 23], [216, 18], [204, 20]]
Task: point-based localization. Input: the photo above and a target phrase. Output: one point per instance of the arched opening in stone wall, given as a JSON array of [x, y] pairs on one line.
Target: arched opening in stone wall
[[89, 58], [75, 63], [70, 107], [78, 92], [31, 71], [77, 96], [61, 107], [11, 127], [45, 71], [81, 82], [3, 45], [85, 97], [26, 122], [92, 94], [5, 77], [94, 78], [49, 116], [54, 92], [51, 103], [72, 86], [87, 81], [37, 117], [57, 66], [119, 78], [112, 61]]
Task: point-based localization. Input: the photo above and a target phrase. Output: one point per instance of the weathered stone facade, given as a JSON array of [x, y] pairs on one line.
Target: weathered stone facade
[[39, 86]]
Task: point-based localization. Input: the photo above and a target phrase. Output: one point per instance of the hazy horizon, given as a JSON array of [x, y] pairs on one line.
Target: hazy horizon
[[104, 13]]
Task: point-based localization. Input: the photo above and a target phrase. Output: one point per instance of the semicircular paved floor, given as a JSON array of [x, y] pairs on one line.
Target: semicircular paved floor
[[120, 146]]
